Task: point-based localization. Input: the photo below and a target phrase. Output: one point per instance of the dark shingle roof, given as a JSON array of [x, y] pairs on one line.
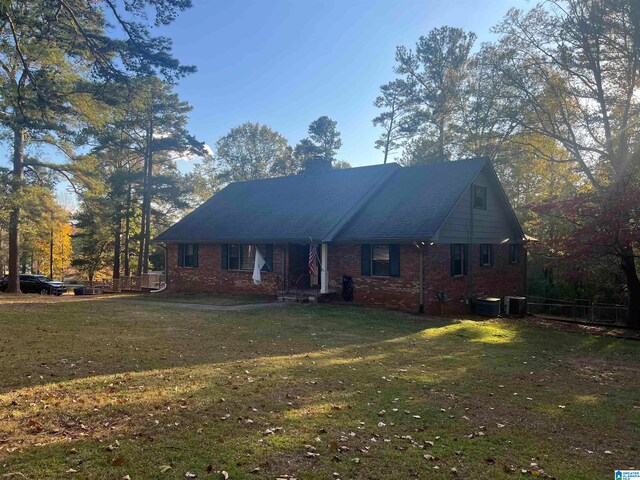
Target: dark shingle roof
[[290, 209], [358, 204], [413, 203]]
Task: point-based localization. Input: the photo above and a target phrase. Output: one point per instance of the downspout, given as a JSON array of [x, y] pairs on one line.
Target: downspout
[[166, 270], [525, 255]]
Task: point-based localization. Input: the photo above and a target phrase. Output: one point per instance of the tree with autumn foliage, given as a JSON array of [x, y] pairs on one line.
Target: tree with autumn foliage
[[571, 73], [53, 253]]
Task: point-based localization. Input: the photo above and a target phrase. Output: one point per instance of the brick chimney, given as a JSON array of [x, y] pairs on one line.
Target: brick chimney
[[316, 165]]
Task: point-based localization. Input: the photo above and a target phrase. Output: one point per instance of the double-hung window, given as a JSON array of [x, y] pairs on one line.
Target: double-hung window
[[459, 259], [514, 253], [188, 255], [241, 256], [480, 197], [380, 260], [238, 256], [486, 254]]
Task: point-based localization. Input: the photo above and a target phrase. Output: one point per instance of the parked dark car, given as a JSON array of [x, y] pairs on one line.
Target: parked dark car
[[36, 284]]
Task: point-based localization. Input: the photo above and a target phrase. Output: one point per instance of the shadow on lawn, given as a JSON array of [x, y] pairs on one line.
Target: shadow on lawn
[[64, 340], [326, 371]]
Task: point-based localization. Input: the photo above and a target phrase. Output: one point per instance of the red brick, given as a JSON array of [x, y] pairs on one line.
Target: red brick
[[401, 292]]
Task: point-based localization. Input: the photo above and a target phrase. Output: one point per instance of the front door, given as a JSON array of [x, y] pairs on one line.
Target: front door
[[299, 266]]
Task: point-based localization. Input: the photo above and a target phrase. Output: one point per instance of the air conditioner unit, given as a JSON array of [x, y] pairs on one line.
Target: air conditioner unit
[[515, 306]]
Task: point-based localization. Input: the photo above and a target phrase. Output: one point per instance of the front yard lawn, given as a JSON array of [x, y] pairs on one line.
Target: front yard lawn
[[98, 388], [200, 298]]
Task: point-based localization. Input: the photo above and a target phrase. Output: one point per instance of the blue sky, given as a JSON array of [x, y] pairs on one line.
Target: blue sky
[[286, 62]]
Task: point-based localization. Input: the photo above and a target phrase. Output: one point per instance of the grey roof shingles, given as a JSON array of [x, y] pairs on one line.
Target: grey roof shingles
[[358, 204]]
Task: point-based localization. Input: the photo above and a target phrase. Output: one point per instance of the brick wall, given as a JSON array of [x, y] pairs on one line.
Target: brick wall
[[398, 292], [500, 279], [210, 277]]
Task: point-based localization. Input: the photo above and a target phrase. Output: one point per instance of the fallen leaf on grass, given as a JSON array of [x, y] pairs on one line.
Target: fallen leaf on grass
[[117, 461], [165, 468]]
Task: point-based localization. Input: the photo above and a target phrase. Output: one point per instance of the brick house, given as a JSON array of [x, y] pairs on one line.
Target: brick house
[[405, 235]]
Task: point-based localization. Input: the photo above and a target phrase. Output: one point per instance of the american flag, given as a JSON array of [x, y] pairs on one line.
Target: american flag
[[313, 261]]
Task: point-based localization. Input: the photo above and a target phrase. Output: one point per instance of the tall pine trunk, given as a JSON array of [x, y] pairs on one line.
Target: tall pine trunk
[[146, 202], [14, 217], [117, 247], [1, 255], [127, 227], [143, 219], [147, 227], [51, 249]]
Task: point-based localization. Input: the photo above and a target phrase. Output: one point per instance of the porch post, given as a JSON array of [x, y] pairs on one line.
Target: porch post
[[324, 275]]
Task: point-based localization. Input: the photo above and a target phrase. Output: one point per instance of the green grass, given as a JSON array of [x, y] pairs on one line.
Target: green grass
[[200, 298], [110, 388]]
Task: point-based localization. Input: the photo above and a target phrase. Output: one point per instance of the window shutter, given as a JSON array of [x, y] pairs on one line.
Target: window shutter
[[394, 260], [181, 255], [268, 258], [224, 256], [465, 263], [365, 259], [195, 255]]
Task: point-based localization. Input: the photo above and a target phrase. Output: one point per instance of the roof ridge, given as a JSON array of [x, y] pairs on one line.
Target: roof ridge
[[302, 174], [360, 203]]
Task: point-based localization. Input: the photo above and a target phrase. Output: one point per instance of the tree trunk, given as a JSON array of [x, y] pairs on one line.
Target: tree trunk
[[127, 221], [51, 249], [147, 198], [1, 254], [147, 227], [143, 220], [14, 217], [627, 263], [116, 248]]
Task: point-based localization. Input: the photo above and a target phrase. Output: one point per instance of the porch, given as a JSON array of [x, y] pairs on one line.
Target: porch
[[296, 283], [307, 295]]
